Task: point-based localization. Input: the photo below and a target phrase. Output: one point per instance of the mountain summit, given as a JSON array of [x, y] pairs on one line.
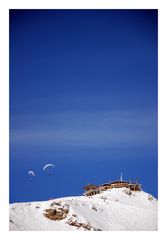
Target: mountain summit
[[115, 209]]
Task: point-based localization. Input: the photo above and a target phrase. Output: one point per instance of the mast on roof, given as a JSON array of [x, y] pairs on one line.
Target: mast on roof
[[121, 177]]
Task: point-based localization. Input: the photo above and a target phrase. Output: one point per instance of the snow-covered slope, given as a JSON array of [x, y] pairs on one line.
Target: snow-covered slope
[[115, 209]]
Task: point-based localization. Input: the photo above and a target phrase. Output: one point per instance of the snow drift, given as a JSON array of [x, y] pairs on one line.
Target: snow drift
[[115, 209]]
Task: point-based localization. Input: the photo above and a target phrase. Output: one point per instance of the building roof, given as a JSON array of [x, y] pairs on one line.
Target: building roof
[[106, 184], [118, 181], [90, 186]]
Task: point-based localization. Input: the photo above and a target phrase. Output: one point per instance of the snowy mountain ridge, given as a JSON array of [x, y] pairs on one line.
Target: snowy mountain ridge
[[114, 209]]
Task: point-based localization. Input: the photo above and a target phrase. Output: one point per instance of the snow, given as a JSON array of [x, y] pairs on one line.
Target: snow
[[113, 209]]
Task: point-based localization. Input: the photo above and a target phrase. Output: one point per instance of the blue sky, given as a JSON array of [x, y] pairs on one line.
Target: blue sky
[[83, 95]]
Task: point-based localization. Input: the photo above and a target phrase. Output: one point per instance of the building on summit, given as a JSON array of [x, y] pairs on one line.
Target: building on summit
[[92, 189]]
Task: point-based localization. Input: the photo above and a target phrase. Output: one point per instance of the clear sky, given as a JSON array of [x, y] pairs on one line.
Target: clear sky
[[83, 96]]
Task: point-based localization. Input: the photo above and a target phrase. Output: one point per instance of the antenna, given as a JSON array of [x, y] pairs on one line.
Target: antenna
[[121, 177]]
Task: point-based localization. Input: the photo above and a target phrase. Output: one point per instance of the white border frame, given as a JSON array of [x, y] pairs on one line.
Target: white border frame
[[4, 103]]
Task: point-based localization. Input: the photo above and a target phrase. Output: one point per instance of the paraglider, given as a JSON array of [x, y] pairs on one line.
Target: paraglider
[[49, 168], [48, 165], [31, 175]]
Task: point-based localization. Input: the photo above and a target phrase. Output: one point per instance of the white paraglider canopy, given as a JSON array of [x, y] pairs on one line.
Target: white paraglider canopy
[[48, 165], [31, 173]]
